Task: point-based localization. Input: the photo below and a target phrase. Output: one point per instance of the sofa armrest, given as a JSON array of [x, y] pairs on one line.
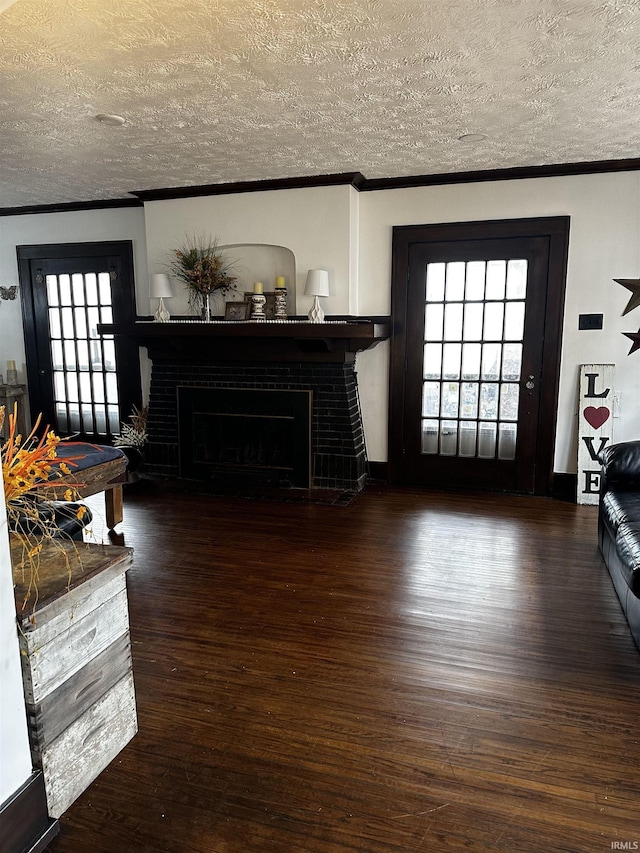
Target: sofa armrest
[[620, 466]]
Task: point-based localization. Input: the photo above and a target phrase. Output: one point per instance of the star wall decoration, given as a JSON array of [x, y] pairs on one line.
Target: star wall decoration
[[632, 284], [635, 337]]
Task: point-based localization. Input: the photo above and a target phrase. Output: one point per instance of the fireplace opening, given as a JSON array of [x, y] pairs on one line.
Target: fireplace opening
[[243, 436]]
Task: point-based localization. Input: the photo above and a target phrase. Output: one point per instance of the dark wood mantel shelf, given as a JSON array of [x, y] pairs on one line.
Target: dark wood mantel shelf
[[334, 340]]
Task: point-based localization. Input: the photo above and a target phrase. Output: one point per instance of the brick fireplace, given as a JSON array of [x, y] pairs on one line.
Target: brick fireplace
[[314, 360], [337, 456]]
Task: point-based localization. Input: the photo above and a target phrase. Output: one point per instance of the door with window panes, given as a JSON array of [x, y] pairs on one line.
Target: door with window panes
[[479, 374], [83, 383]]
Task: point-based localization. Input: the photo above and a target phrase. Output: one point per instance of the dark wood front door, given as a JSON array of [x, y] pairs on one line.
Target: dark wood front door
[[83, 383], [477, 318]]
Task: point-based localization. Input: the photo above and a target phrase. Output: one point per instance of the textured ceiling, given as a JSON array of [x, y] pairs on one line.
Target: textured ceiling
[[232, 90]]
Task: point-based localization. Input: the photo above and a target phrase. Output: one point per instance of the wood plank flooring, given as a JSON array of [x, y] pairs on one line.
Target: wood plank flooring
[[415, 671]]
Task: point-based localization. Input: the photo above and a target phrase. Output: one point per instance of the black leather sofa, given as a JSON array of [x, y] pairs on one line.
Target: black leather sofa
[[619, 525]]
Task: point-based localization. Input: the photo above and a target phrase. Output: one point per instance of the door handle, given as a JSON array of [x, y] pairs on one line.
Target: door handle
[[530, 383]]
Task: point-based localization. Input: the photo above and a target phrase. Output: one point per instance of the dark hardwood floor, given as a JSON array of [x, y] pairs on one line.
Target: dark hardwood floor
[[415, 671]]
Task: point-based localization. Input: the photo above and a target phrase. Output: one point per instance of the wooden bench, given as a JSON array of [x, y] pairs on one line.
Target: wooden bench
[[95, 469]]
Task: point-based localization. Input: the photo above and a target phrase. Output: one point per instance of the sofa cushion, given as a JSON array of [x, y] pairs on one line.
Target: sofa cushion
[[628, 551], [621, 464], [619, 508]]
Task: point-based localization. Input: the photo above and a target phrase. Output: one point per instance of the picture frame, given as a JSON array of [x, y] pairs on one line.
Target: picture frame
[[237, 311]]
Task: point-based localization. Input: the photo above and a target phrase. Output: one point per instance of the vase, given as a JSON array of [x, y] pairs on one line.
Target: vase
[[205, 308]]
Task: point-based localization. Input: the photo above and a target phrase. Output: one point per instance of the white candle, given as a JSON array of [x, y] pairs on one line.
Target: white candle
[[11, 365], [258, 287], [280, 282]]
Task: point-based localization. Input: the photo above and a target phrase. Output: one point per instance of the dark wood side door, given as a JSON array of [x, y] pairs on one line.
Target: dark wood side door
[[84, 384], [477, 320]]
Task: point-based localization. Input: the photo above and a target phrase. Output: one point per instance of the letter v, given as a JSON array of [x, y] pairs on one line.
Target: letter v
[[588, 440]]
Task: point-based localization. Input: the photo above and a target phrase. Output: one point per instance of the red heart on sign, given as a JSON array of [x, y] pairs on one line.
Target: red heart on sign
[[596, 417]]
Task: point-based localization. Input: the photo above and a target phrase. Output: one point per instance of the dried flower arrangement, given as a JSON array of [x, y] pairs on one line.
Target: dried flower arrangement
[[30, 468], [201, 267], [134, 434]]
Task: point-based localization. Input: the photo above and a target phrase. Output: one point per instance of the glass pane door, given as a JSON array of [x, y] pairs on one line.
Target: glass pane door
[[473, 345], [83, 362]]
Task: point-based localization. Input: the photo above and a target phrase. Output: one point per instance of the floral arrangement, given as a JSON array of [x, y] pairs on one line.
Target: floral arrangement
[[134, 434], [202, 268], [30, 469]]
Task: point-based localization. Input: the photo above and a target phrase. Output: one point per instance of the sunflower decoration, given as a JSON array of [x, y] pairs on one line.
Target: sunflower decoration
[[30, 469]]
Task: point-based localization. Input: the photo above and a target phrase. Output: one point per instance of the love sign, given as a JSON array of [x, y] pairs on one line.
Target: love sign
[[594, 426], [596, 417]]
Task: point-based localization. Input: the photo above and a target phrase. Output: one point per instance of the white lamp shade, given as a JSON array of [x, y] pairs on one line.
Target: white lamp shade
[[160, 286], [317, 283]]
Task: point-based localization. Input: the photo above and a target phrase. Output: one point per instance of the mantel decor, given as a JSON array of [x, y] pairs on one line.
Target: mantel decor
[[160, 288], [317, 285], [237, 311], [200, 265]]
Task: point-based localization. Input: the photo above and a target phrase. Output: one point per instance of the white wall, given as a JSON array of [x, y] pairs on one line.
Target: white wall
[[15, 755], [349, 234], [125, 223], [314, 223], [603, 245]]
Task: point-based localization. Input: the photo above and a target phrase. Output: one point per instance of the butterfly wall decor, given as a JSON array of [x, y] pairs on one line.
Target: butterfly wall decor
[[8, 292]]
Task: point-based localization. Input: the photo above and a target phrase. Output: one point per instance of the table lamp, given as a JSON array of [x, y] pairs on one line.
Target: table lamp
[[317, 285], [160, 288]]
